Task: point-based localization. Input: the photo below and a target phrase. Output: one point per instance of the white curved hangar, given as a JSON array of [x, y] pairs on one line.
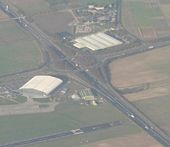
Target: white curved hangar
[[40, 86]]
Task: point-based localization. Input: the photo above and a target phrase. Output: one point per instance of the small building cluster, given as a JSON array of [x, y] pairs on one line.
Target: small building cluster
[[7, 95], [88, 96], [97, 14], [83, 29]]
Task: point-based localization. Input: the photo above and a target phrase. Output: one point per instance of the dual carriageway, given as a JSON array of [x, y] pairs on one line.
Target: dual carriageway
[[104, 90]]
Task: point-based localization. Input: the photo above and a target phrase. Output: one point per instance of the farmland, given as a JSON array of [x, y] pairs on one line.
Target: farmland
[[146, 19], [47, 13], [18, 51], [143, 15], [153, 73], [30, 7], [157, 109], [137, 140], [95, 2], [71, 114], [49, 22], [66, 116], [81, 2], [44, 16], [91, 140], [33, 7]]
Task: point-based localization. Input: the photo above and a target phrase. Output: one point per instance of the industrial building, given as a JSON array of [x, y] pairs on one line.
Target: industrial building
[[40, 86], [96, 41]]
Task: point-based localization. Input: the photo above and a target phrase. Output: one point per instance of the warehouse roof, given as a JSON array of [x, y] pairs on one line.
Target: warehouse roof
[[45, 84], [96, 41]]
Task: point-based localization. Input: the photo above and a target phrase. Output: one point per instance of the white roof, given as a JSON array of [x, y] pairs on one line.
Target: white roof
[[79, 45], [96, 41], [45, 84]]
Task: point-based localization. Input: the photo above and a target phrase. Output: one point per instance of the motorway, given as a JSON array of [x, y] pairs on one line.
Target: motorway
[[108, 93]]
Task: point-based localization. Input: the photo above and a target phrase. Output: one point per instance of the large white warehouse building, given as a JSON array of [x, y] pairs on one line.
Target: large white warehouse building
[[96, 41], [40, 86]]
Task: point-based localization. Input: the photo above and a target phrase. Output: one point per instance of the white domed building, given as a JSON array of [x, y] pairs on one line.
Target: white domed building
[[40, 86]]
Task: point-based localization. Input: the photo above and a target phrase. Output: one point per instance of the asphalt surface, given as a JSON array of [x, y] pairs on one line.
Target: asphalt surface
[[108, 93], [60, 135]]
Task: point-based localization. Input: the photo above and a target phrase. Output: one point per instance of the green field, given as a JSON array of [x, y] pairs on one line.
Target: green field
[[96, 2], [42, 6], [31, 7], [143, 15], [11, 101], [20, 99], [81, 140], [4, 101], [18, 51], [157, 109], [83, 2], [66, 117], [146, 19]]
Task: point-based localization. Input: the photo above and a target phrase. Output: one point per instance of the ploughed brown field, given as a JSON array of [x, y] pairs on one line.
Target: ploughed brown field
[[151, 70]]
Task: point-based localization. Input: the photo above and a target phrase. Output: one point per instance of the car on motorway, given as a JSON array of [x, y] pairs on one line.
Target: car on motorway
[[146, 127], [130, 115], [151, 47]]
